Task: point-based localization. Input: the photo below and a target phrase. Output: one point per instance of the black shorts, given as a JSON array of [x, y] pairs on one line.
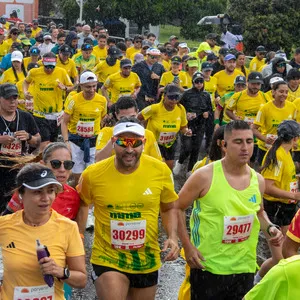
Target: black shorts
[[48, 129], [208, 286], [168, 153], [138, 281], [260, 155], [280, 213]]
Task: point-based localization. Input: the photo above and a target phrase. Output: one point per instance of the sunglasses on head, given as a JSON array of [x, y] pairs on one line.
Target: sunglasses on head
[[51, 67], [56, 164], [173, 97], [199, 81], [133, 142]]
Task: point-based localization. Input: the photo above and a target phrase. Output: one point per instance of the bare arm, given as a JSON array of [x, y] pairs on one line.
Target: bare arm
[[231, 115], [290, 247], [64, 126], [105, 152], [82, 216], [276, 192], [78, 277], [258, 134], [105, 94], [169, 215]]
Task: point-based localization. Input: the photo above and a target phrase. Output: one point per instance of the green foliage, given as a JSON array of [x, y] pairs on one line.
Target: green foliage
[[272, 23]]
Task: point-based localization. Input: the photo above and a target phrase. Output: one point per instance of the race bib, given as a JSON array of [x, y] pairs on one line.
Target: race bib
[[249, 120], [237, 228], [85, 129], [60, 116], [127, 235], [273, 136], [41, 292], [14, 148], [293, 189], [166, 137]]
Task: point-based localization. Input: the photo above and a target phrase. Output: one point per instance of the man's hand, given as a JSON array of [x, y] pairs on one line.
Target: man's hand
[[154, 76], [277, 236], [22, 135], [48, 266], [205, 115], [174, 249], [193, 257], [6, 139]]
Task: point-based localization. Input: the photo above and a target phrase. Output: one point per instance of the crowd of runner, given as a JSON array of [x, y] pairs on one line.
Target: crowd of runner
[[90, 129]]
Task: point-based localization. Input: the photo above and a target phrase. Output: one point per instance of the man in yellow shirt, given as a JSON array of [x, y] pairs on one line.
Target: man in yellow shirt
[[86, 60], [81, 122], [100, 51], [125, 107], [227, 76], [4, 47], [293, 79], [259, 60], [211, 39], [129, 191], [137, 46], [124, 83], [49, 84], [64, 61], [36, 30]]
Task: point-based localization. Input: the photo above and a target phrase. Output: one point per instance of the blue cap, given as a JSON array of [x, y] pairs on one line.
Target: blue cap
[[229, 57]]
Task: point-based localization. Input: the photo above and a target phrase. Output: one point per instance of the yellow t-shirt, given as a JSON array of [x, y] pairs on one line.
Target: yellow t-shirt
[[168, 78], [246, 71], [9, 77], [10, 41], [121, 86], [245, 106], [83, 64], [48, 97], [283, 174], [86, 115], [189, 80], [293, 95], [163, 123], [216, 50], [297, 104], [127, 204], [77, 54], [21, 267], [211, 87], [131, 50], [269, 117], [35, 31], [201, 163], [4, 49], [100, 54], [166, 64], [28, 60], [150, 148], [225, 82], [256, 64], [262, 67], [69, 66], [103, 70]]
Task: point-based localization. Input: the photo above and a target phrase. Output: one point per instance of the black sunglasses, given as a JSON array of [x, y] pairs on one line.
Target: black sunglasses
[[15, 33], [56, 164], [50, 67], [138, 41], [173, 97], [199, 81]]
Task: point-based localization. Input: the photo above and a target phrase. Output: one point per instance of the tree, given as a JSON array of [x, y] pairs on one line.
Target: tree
[[272, 23]]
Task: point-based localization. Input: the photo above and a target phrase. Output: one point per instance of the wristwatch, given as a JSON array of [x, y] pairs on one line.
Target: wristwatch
[[66, 274], [29, 137]]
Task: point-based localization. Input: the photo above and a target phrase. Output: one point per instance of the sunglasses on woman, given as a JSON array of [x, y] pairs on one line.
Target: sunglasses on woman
[[173, 97], [133, 142], [56, 164]]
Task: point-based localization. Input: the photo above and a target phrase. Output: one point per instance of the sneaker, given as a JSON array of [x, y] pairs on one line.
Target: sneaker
[[177, 168], [90, 223]]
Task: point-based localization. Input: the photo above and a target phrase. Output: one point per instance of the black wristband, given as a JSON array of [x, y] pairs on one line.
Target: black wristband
[[29, 137], [271, 225]]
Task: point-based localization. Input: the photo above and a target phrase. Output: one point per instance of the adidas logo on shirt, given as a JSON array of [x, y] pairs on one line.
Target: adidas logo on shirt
[[252, 199], [147, 192], [11, 245]]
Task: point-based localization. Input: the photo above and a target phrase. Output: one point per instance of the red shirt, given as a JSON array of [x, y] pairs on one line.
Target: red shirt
[[66, 203], [294, 228]]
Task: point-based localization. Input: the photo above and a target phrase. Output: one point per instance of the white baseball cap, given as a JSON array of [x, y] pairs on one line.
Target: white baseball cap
[[183, 45], [87, 77], [17, 56], [129, 127], [276, 79], [153, 51]]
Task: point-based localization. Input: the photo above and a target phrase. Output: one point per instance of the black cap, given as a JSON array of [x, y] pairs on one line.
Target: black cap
[[240, 80], [86, 47], [255, 77], [288, 129], [146, 43], [65, 49], [197, 75], [28, 30], [224, 51], [114, 52], [37, 179], [211, 56], [125, 63], [211, 36], [206, 66], [32, 65], [60, 25], [8, 90], [261, 49], [172, 89], [176, 59], [16, 45]]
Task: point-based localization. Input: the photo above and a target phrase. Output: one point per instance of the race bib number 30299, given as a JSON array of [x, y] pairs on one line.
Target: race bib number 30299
[[41, 292], [128, 235], [237, 228]]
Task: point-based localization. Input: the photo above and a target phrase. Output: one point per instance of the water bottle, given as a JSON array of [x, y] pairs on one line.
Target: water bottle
[[41, 252]]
